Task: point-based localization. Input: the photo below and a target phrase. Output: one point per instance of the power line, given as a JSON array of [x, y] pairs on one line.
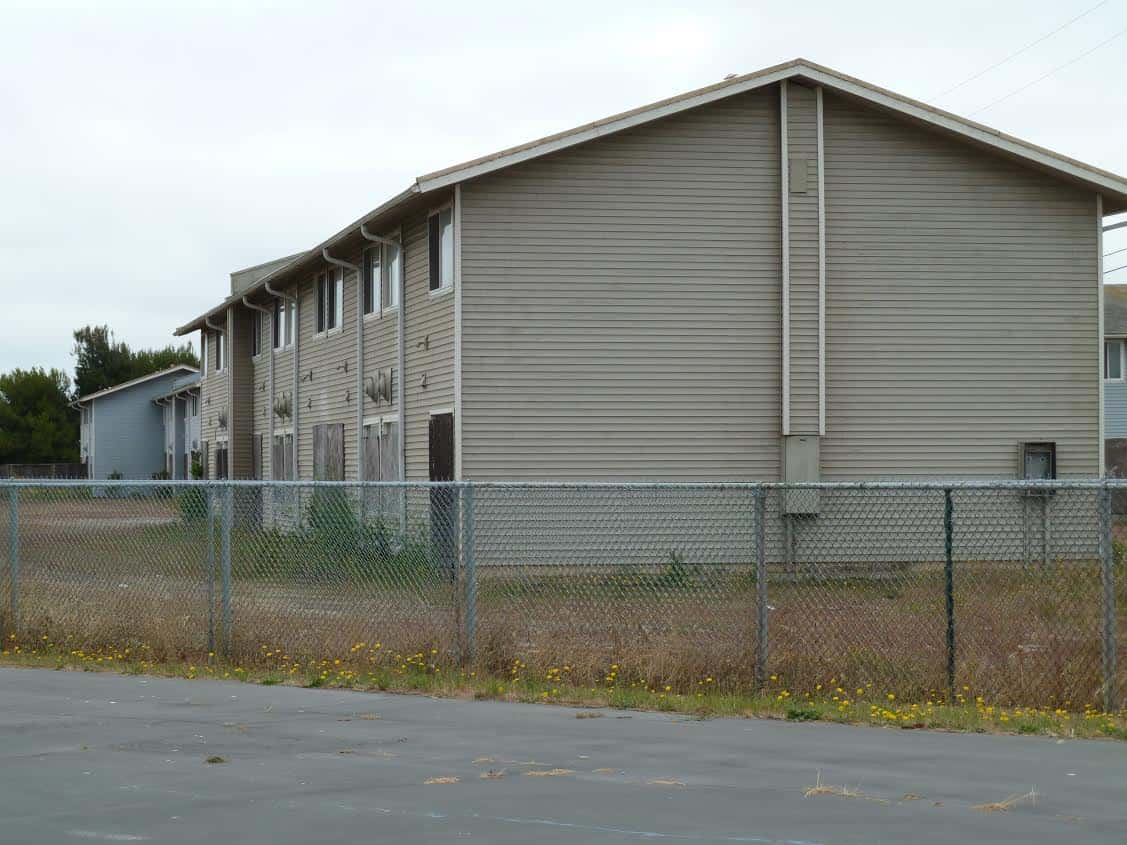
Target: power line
[[1115, 252], [1113, 269], [1027, 47], [1045, 76]]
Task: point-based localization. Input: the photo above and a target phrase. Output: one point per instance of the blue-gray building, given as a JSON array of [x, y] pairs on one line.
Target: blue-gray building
[[143, 427], [1115, 380]]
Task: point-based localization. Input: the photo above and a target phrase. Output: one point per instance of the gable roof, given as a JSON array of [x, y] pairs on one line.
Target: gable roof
[[125, 385], [1111, 186], [1115, 310]]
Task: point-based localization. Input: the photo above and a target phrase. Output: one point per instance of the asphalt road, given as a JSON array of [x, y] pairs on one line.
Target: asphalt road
[[106, 758]]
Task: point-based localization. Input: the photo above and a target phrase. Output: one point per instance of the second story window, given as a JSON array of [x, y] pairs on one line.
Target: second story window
[[255, 332], [203, 354], [220, 351], [330, 300], [382, 267], [283, 323], [393, 272], [440, 232], [372, 277]]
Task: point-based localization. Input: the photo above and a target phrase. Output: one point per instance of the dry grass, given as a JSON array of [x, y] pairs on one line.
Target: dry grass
[[549, 773], [492, 774], [449, 779], [840, 791], [1007, 804], [1024, 637]]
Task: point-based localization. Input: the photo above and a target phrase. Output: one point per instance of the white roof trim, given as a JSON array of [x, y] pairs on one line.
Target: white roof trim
[[174, 369], [799, 68]]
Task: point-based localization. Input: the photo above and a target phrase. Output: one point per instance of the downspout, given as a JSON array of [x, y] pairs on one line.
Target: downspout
[[399, 348], [285, 297], [227, 350], [270, 404], [359, 357]]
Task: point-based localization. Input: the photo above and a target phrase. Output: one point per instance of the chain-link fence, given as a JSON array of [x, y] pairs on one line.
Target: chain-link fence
[[934, 591]]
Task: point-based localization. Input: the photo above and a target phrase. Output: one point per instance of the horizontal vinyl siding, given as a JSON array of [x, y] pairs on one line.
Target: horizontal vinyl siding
[[802, 143], [961, 307], [213, 401], [261, 406], [327, 388], [1115, 409], [243, 392], [621, 305], [429, 347]]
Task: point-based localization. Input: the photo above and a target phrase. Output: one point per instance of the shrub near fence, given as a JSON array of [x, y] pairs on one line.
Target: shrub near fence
[[930, 591]]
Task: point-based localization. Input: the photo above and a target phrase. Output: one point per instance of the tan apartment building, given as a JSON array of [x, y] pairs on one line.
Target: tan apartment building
[[789, 274]]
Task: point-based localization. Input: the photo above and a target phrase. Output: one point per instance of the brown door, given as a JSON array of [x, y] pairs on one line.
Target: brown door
[[443, 514]]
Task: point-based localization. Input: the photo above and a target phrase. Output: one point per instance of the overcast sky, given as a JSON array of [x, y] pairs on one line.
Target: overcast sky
[[147, 149]]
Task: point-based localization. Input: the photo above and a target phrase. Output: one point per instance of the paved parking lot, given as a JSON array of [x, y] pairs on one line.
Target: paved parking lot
[[101, 757]]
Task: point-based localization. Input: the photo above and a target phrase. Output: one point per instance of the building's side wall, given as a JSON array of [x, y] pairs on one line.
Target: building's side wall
[[802, 147], [283, 389], [130, 434], [381, 350], [214, 400], [429, 338], [962, 307], [621, 305]]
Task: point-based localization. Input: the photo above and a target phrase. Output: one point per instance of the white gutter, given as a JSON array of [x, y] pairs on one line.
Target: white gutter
[[285, 297], [270, 401], [399, 351], [359, 355]]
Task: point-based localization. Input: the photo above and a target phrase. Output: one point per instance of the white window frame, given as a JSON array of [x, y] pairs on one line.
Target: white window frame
[[1122, 344], [256, 334], [377, 283], [220, 351], [335, 277], [444, 285], [284, 337], [203, 354], [394, 281]]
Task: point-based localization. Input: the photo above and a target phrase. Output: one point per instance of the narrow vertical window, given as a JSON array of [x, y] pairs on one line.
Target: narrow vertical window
[[440, 232], [393, 274], [203, 353], [322, 304], [220, 351], [338, 298], [291, 322], [372, 281], [279, 324]]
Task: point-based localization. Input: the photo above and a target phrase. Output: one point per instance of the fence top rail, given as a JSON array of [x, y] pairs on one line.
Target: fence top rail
[[748, 486]]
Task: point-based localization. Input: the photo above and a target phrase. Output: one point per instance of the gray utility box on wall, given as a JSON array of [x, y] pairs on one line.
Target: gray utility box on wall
[[801, 462]]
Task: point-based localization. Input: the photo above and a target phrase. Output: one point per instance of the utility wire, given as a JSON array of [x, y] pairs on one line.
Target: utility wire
[[1115, 252], [1045, 76], [1113, 269], [1024, 49]]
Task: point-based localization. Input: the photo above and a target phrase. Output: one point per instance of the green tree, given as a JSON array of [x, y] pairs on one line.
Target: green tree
[[37, 425], [102, 361]]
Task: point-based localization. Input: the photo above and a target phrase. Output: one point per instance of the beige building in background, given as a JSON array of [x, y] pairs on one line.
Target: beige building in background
[[788, 275]]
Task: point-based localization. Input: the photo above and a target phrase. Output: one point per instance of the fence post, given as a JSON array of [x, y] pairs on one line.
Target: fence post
[[14, 555], [225, 559], [468, 555], [209, 497], [1107, 567], [949, 588], [760, 590]]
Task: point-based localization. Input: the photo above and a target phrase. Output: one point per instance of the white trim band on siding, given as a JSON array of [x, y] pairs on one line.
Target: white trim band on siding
[[784, 178], [821, 265]]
